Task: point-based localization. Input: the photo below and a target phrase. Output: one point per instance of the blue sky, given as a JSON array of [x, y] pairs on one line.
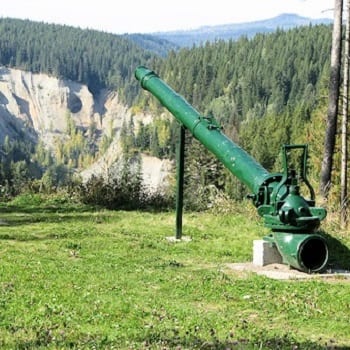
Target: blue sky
[[146, 16]]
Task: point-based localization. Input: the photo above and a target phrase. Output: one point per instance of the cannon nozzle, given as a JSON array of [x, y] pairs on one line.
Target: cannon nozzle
[[142, 73], [304, 251]]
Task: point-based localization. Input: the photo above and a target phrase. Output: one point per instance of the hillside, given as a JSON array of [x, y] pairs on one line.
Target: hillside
[[153, 43], [91, 100], [96, 59]]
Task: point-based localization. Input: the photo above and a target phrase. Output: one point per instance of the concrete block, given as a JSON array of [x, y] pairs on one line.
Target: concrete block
[[265, 253]]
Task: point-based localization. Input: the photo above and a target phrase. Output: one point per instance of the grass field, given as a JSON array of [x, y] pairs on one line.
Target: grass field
[[72, 277]]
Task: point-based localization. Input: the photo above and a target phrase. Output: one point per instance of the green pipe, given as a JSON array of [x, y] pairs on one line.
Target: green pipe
[[180, 182], [304, 251], [206, 130]]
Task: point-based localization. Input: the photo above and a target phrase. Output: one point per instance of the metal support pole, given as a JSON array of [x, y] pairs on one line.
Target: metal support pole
[[180, 182]]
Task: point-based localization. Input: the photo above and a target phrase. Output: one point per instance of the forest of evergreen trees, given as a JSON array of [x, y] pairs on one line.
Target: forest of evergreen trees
[[97, 59], [265, 91], [265, 80]]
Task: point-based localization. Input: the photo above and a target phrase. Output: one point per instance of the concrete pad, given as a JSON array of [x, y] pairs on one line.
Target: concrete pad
[[284, 272]]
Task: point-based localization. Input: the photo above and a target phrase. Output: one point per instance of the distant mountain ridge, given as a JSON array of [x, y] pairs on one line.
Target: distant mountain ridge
[[233, 31]]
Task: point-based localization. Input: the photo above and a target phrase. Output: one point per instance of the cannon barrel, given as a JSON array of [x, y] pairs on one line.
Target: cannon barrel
[[206, 130], [292, 218]]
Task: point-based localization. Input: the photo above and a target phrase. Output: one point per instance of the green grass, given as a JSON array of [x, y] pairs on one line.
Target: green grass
[[72, 277]]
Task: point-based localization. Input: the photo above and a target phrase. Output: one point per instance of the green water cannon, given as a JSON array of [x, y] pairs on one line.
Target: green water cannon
[[293, 220]]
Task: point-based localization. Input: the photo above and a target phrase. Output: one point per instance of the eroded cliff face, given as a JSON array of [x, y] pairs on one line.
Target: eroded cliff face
[[41, 103], [37, 106]]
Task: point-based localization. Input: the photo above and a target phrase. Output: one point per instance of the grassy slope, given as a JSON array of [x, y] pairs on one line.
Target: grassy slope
[[71, 277]]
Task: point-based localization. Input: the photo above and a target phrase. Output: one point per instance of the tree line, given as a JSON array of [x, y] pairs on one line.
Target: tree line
[[96, 59]]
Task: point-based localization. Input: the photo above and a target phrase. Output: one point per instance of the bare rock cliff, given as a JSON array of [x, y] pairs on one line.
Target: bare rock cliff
[[41, 103], [36, 106]]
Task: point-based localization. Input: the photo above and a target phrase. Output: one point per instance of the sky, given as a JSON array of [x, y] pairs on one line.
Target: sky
[[147, 16]]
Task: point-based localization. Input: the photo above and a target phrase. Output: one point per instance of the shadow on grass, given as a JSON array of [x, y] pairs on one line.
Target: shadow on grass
[[196, 343], [339, 253], [49, 208], [65, 221], [18, 214], [28, 219], [276, 343], [51, 233]]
